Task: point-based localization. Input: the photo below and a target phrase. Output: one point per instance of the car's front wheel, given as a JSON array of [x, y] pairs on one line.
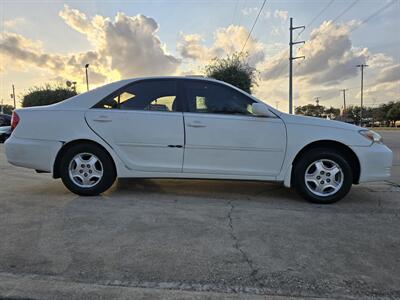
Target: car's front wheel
[[322, 176], [87, 170]]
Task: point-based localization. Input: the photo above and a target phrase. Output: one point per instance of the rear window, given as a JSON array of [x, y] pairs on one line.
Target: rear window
[[154, 95]]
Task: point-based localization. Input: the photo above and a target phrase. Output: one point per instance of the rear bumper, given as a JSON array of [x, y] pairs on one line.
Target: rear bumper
[[33, 154], [375, 162]]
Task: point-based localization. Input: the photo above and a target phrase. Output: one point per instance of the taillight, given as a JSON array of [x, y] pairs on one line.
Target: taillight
[[14, 120]]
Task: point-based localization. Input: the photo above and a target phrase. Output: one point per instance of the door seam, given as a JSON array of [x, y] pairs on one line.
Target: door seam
[[184, 141]]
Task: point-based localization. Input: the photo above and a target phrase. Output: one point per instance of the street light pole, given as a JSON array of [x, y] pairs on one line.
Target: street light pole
[[13, 88], [362, 66], [344, 102], [87, 77]]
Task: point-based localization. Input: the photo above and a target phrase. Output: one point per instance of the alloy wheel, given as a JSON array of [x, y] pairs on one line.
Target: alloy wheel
[[324, 177], [85, 170]]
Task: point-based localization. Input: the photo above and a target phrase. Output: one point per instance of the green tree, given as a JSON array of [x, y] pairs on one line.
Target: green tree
[[310, 110], [332, 112], [393, 114], [46, 95], [7, 109], [233, 69], [353, 112], [380, 113]]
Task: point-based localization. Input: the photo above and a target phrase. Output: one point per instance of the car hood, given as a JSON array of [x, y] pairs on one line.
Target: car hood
[[318, 122]]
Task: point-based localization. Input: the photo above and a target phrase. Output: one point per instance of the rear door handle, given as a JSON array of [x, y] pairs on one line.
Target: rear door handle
[[196, 124], [102, 119]]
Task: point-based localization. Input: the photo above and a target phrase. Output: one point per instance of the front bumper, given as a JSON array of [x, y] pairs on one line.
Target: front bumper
[[375, 162], [31, 153]]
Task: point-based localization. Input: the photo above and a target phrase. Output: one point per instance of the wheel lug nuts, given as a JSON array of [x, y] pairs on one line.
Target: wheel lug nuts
[[322, 172], [90, 171], [318, 177], [328, 174], [82, 166], [88, 166], [80, 171], [85, 174], [322, 182], [328, 180]]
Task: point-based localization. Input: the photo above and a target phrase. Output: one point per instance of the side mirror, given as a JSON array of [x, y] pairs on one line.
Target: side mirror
[[261, 110]]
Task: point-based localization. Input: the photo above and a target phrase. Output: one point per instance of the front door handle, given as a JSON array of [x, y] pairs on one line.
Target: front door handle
[[196, 124]]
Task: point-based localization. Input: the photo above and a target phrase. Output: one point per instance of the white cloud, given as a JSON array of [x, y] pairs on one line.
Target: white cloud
[[123, 47], [281, 14], [130, 43], [226, 41], [276, 30], [14, 23], [329, 54], [20, 53], [379, 60], [330, 65], [390, 74], [249, 11]]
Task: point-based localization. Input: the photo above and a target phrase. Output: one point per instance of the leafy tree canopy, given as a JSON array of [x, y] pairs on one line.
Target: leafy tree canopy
[[46, 95], [233, 69], [394, 112], [310, 110]]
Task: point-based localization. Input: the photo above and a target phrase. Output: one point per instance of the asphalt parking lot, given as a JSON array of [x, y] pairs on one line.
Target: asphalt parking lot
[[192, 239]]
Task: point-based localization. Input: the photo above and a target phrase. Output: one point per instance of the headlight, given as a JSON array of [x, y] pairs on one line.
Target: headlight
[[371, 135]]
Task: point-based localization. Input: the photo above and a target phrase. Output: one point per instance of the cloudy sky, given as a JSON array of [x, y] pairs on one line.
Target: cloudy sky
[[51, 41]]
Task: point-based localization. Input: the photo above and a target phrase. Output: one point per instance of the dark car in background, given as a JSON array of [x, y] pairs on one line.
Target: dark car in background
[[5, 132], [5, 127], [5, 120]]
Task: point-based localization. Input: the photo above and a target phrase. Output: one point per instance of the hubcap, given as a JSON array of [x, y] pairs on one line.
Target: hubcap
[[85, 170], [324, 177]]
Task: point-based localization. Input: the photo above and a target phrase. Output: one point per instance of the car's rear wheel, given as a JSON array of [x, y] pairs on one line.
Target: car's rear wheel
[[322, 176], [87, 170]]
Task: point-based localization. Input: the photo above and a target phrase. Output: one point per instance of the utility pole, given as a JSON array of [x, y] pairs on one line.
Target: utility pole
[[277, 104], [2, 110], [362, 66], [87, 78], [344, 101], [13, 94], [291, 58], [317, 102]]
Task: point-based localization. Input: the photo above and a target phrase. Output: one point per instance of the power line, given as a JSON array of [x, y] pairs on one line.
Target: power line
[[373, 15], [234, 12], [316, 17], [313, 20], [345, 10], [242, 7], [254, 24]]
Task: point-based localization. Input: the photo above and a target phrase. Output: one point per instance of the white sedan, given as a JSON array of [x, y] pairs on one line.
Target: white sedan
[[188, 127]]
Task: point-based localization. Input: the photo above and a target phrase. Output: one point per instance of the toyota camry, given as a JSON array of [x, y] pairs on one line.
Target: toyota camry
[[189, 127]]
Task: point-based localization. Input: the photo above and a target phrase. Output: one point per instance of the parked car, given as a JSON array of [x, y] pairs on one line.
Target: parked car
[[5, 120], [187, 127], [5, 132]]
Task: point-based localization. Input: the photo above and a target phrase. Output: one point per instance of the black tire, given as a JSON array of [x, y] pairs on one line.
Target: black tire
[[105, 182], [313, 155]]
